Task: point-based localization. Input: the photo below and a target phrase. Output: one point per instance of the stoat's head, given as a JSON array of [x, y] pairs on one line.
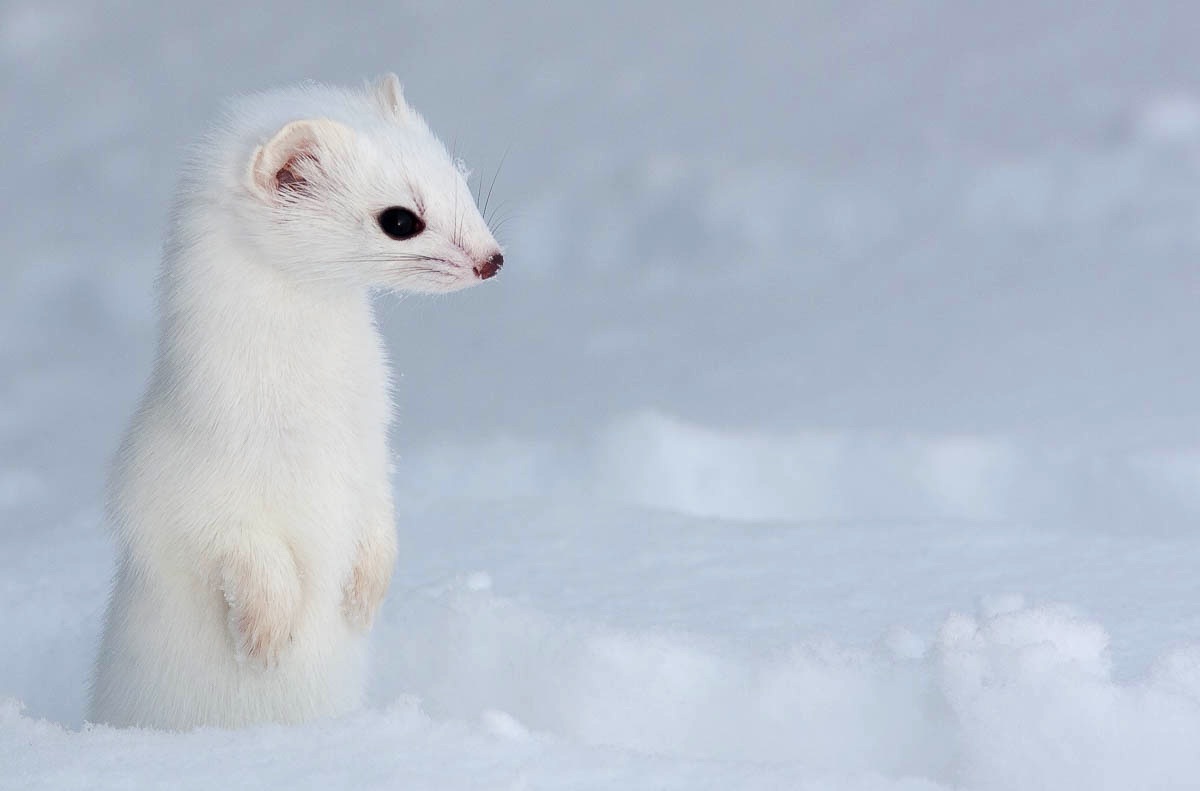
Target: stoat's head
[[373, 199]]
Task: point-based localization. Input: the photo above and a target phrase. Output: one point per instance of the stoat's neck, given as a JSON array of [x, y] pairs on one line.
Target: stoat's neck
[[245, 349]]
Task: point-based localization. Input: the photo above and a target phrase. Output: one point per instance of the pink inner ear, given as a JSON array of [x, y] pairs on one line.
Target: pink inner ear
[[288, 176]]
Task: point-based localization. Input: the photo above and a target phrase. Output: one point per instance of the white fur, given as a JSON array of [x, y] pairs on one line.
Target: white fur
[[250, 499]]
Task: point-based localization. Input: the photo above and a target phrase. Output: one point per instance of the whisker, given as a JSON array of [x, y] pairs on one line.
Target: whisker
[[502, 221], [456, 209], [495, 176], [496, 209]]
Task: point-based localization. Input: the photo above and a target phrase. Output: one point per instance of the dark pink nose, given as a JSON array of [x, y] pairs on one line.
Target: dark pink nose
[[490, 267]]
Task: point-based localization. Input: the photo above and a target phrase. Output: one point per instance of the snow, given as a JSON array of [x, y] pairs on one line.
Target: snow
[[833, 425]]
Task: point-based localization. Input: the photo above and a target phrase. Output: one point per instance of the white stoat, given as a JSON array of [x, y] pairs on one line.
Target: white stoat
[[250, 499]]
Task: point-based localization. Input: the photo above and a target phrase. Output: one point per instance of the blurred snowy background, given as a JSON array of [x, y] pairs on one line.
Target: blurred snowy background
[[835, 422]]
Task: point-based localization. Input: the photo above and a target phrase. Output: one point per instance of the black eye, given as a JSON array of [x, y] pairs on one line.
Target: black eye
[[399, 223]]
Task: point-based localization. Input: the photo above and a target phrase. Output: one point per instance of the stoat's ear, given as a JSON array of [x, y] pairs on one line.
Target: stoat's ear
[[298, 151], [390, 96]]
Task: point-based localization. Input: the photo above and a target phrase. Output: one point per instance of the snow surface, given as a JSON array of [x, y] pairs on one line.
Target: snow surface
[[835, 423]]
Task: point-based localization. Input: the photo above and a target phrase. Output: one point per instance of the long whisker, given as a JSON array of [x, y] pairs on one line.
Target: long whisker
[[495, 176], [500, 222], [456, 191], [385, 259], [496, 209], [330, 278]]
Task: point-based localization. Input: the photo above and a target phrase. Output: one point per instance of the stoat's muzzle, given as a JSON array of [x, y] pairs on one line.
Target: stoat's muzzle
[[490, 267]]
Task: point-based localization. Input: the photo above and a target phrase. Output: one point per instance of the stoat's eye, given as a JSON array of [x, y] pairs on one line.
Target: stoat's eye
[[399, 223]]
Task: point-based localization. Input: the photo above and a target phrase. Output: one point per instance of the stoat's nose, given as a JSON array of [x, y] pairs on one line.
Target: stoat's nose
[[490, 267]]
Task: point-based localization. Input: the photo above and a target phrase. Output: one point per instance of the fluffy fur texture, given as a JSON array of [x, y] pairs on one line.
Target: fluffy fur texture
[[250, 499]]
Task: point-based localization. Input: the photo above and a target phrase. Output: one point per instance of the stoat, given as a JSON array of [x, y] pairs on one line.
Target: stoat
[[250, 499]]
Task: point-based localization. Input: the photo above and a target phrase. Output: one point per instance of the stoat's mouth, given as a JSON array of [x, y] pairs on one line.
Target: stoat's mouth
[[435, 275], [432, 279]]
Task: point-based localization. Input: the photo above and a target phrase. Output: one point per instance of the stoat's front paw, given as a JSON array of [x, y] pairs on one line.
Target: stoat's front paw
[[262, 591], [369, 579], [260, 634]]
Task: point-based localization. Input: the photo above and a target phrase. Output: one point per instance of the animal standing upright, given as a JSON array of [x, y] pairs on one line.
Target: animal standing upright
[[250, 499]]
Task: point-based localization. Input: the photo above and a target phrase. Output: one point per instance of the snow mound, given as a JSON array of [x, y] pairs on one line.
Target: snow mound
[[1013, 697], [476, 690], [658, 460]]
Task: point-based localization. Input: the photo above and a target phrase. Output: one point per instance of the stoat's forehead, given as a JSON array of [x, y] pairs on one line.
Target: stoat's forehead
[[408, 163], [408, 166]]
